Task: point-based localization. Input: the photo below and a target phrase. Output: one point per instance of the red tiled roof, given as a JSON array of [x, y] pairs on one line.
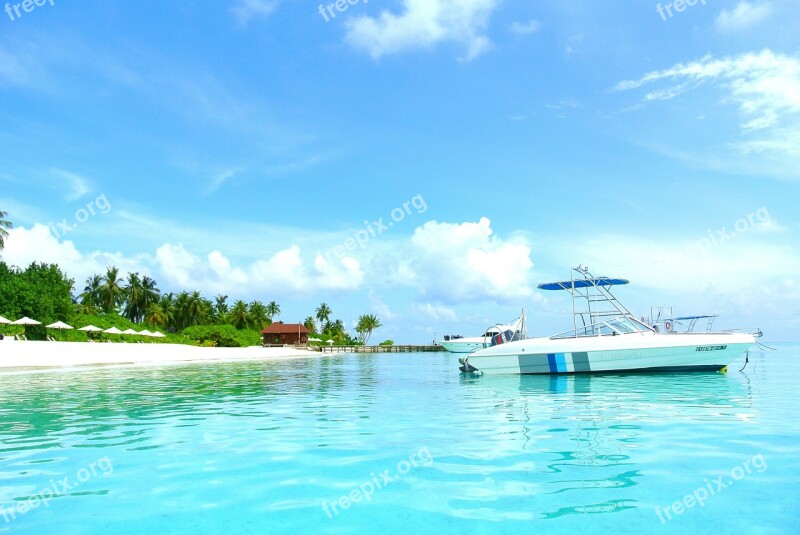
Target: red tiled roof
[[285, 328]]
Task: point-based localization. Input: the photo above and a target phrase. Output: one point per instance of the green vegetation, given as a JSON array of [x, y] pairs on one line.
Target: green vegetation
[[387, 343], [134, 301], [223, 336]]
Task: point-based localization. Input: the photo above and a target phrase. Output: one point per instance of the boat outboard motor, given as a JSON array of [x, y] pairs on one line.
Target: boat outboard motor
[[466, 367]]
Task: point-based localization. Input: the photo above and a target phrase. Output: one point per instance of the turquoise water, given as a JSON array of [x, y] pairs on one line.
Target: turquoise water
[[269, 447]]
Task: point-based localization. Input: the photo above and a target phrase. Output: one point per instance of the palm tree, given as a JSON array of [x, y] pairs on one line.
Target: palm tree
[[181, 311], [199, 308], [220, 308], [238, 315], [310, 324], [259, 314], [366, 324], [111, 292], [91, 292], [133, 298], [338, 331], [150, 293], [155, 315], [85, 309], [323, 313], [4, 226], [167, 305], [273, 310]]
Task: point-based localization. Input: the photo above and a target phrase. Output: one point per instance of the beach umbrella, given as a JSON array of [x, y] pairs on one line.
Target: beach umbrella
[[158, 335], [129, 331], [146, 333], [4, 321], [26, 321], [90, 329], [59, 325], [314, 340], [112, 330], [329, 341]]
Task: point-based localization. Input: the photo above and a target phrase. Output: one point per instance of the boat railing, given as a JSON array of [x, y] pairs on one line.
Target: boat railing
[[755, 331], [612, 327]]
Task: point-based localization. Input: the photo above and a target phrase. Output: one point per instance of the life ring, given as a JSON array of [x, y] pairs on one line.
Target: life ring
[[668, 326]]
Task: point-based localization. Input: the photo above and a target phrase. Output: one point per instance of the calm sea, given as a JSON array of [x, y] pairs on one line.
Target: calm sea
[[400, 443]]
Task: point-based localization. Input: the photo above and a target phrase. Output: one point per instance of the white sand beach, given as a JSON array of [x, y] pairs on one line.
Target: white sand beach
[[27, 355]]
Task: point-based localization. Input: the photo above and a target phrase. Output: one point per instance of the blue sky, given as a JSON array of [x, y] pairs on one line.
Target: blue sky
[[231, 147]]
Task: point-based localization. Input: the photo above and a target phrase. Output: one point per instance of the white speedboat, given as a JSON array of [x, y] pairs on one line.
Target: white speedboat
[[460, 344], [607, 338]]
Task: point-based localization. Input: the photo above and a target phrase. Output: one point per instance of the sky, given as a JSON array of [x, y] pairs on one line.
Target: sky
[[427, 161]]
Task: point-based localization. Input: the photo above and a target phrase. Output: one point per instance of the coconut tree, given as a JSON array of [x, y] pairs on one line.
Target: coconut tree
[[366, 324], [91, 292], [259, 314], [155, 315], [310, 324], [167, 305], [273, 310], [238, 316], [111, 291], [133, 298], [323, 313], [85, 309], [181, 311], [220, 308], [150, 293], [4, 226]]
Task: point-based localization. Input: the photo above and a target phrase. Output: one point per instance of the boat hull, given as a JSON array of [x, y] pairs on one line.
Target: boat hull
[[463, 345], [612, 354]]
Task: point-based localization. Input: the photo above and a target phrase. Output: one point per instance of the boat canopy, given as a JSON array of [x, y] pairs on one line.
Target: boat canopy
[[685, 318], [583, 283]]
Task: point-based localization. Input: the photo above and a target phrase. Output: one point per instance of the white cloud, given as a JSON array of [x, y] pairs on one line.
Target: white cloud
[[245, 10], [77, 185], [765, 86], [219, 179], [684, 266], [37, 244], [382, 309], [525, 28], [745, 15], [464, 262], [284, 274], [434, 312], [423, 25]]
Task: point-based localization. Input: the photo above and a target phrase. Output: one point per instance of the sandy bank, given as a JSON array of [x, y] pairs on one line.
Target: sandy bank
[[26, 355]]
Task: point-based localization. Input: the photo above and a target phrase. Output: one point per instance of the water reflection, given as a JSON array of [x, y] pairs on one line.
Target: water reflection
[[591, 436]]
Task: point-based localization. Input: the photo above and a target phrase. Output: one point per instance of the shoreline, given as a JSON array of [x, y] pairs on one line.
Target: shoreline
[[29, 356]]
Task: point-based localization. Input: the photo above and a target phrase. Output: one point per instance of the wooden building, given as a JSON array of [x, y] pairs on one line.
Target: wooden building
[[285, 334]]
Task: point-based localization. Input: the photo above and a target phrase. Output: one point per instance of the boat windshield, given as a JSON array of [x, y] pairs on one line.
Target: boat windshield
[[611, 327]]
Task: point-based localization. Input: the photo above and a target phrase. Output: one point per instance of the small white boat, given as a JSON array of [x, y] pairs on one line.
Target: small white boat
[[460, 344], [607, 338]]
